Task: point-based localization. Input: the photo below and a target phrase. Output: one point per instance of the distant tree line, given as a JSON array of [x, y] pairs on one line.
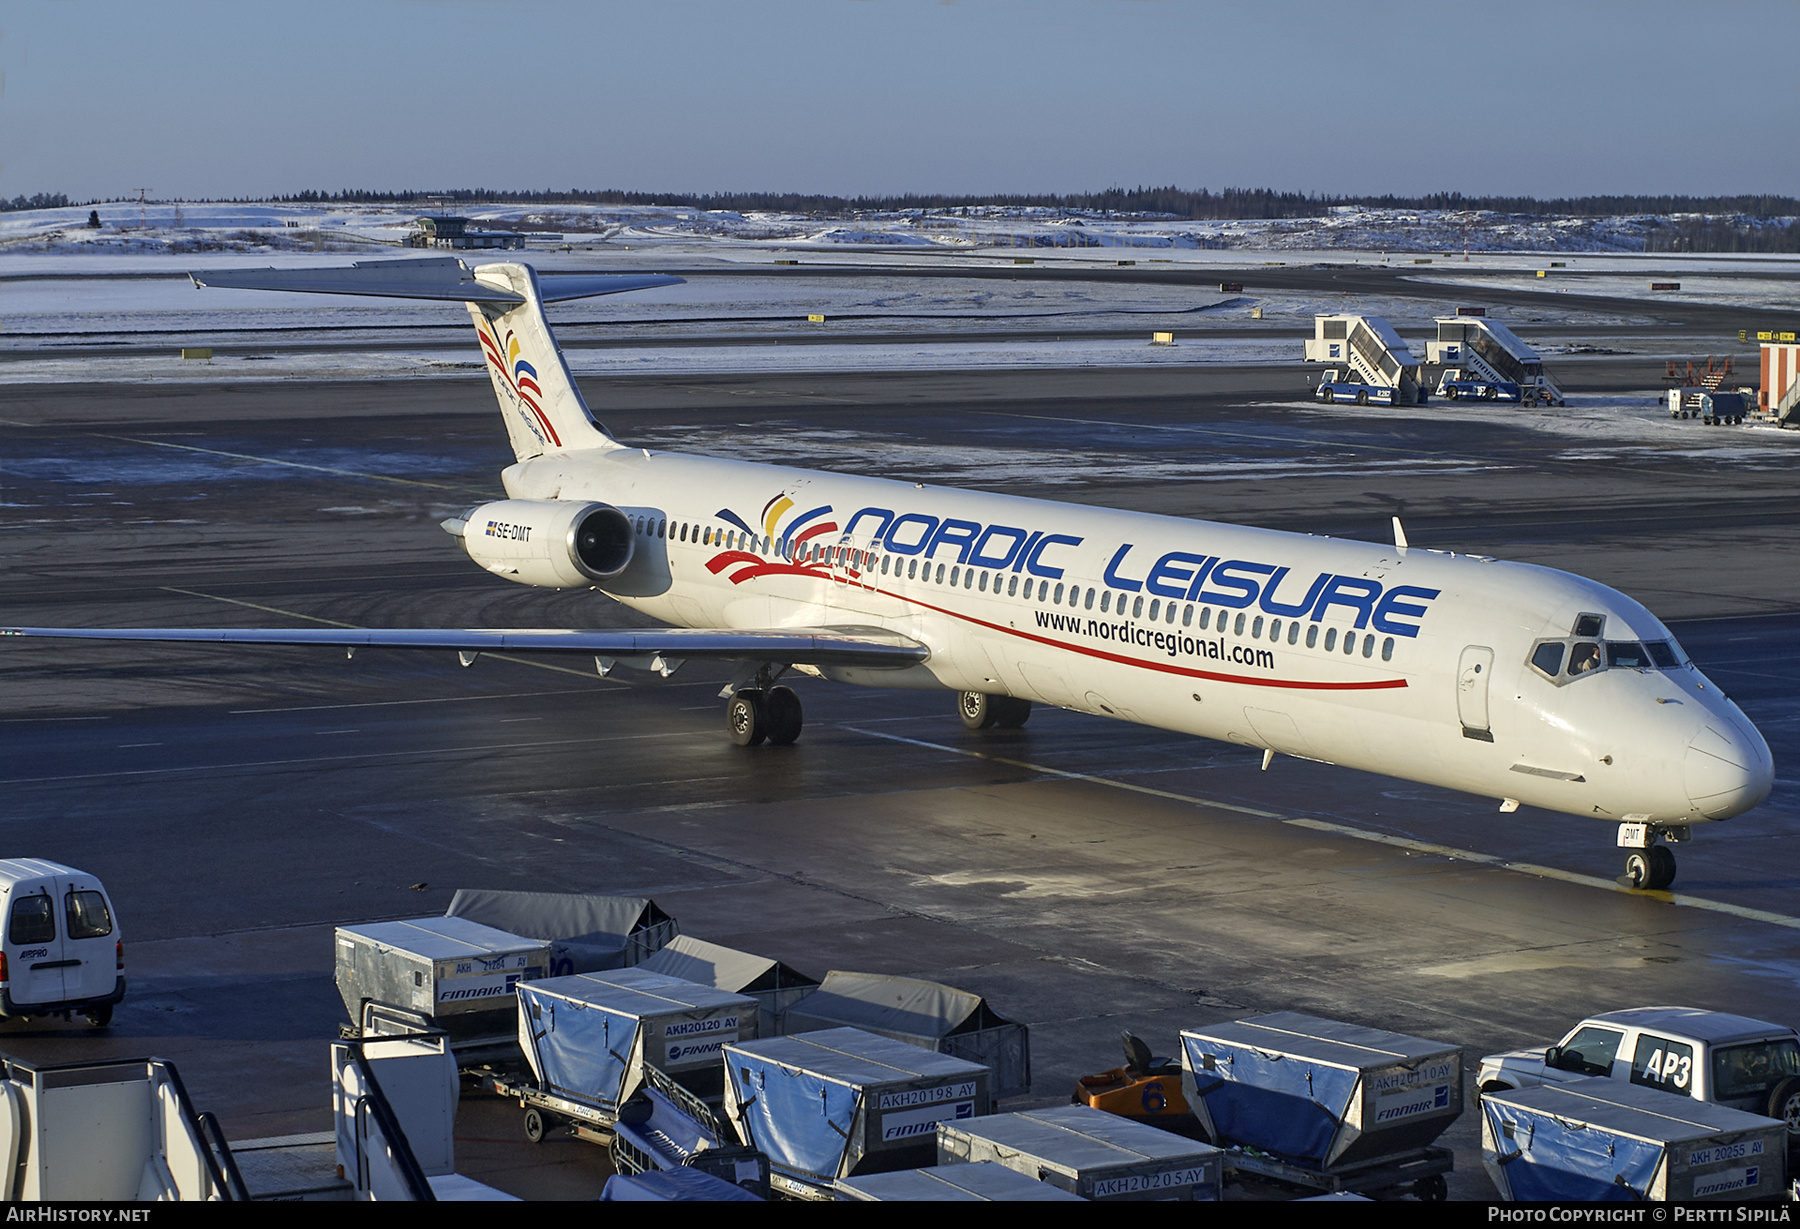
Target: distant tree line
[[1704, 234], [1203, 205], [42, 200]]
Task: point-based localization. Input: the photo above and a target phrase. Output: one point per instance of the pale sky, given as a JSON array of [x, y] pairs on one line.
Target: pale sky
[[210, 98]]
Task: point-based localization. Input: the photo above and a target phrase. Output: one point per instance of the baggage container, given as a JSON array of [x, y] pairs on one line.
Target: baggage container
[[459, 973], [980, 1182], [1606, 1139], [774, 985], [1088, 1152], [588, 1037], [842, 1102], [922, 1013], [1319, 1094]]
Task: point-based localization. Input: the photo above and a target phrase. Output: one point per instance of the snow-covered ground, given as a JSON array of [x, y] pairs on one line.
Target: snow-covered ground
[[199, 228]]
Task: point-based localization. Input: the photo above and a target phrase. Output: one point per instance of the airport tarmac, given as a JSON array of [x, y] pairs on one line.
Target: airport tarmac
[[1086, 876]]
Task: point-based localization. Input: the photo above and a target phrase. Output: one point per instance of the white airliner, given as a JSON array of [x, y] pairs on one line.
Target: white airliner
[[1517, 682]]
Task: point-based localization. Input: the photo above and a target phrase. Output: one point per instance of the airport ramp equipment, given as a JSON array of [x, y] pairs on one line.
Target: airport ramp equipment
[[586, 933], [1373, 353], [774, 985], [394, 1095], [673, 1186], [590, 1036], [922, 1013], [1492, 354], [979, 1182], [1607, 1139], [842, 1102], [1321, 1095], [664, 1127], [109, 1131], [1090, 1153], [455, 971]]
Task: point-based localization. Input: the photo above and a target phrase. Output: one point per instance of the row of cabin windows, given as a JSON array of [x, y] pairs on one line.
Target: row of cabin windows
[[1078, 598]]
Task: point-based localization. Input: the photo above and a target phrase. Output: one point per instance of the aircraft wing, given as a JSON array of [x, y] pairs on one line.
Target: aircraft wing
[[438, 277], [837, 646]]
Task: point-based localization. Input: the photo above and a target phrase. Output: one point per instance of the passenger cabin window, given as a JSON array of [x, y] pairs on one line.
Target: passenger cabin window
[[87, 916], [1590, 1051], [33, 921]]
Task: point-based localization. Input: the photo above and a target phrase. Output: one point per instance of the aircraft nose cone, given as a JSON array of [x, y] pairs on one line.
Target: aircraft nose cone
[[1728, 769]]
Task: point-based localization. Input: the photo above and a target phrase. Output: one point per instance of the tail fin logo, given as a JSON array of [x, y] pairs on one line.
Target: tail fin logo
[[519, 379]]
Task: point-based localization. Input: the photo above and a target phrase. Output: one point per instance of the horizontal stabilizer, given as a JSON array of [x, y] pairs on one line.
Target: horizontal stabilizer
[[439, 277], [838, 646]]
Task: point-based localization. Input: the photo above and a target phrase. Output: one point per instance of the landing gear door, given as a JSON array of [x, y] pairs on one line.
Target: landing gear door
[[1472, 676]]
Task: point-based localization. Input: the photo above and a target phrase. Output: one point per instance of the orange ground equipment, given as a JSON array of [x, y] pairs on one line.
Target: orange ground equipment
[[1146, 1089]]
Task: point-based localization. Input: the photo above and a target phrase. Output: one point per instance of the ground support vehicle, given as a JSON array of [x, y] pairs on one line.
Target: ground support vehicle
[[1603, 1139], [1370, 364], [1490, 356], [1146, 1089], [61, 953], [1345, 388], [1325, 1105], [1088, 1152], [1459, 386], [1715, 1056]]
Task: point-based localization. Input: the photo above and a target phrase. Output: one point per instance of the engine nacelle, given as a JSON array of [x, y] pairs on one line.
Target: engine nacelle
[[552, 543]]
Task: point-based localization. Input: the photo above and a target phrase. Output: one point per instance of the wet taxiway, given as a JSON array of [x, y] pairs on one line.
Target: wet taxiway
[[1087, 876]]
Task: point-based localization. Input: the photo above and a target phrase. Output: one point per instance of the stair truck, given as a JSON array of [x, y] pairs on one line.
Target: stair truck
[[1370, 365]]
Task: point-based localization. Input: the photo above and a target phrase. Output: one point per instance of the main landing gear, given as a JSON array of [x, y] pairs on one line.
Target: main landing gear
[[1648, 865], [980, 711], [756, 714]]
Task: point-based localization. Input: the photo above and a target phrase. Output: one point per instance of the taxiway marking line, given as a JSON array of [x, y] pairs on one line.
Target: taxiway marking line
[[317, 469], [338, 759], [1362, 834], [292, 614]]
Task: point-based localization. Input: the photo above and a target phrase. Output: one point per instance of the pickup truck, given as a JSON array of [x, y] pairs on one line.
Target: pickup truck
[[1708, 1055]]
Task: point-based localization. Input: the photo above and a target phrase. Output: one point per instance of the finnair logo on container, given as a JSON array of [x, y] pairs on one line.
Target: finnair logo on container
[[1393, 1106], [689, 1051], [1729, 1180], [910, 1124]]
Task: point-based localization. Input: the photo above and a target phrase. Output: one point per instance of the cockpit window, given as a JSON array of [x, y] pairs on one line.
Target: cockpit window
[[1583, 658], [1662, 653], [1627, 653], [1589, 624], [1548, 657]]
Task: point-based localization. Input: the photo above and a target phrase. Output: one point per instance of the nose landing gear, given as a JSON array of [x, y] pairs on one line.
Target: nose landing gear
[[1648, 865]]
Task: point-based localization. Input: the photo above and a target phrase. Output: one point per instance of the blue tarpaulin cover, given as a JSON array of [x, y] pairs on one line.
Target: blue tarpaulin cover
[[672, 1186], [798, 1098], [1317, 1092], [1606, 1139], [587, 1035]]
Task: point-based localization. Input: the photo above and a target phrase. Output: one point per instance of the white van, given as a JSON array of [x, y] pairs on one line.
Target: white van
[[60, 949]]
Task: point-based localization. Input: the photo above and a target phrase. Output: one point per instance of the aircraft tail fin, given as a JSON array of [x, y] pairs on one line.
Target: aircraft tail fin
[[543, 409]]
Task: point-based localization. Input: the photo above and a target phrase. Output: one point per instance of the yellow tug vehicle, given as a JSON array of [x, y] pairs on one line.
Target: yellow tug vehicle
[[1146, 1089]]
